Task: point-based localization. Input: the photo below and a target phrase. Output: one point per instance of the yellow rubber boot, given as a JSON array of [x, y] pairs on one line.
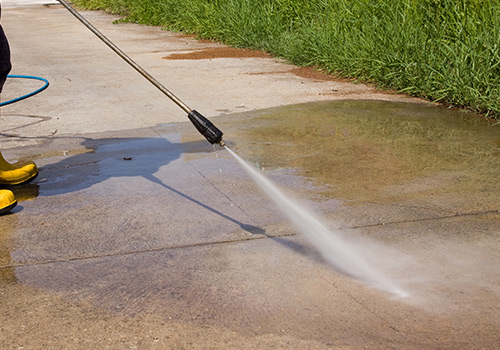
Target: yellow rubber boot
[[17, 173], [7, 201]]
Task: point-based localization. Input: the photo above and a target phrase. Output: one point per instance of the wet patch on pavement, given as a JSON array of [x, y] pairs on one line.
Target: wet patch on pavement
[[387, 152], [156, 224]]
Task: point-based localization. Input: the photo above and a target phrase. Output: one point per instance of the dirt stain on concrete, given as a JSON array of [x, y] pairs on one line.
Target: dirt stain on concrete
[[310, 73], [217, 52]]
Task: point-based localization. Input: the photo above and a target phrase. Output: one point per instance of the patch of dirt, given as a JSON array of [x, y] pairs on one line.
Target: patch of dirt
[[231, 52], [309, 73], [217, 52]]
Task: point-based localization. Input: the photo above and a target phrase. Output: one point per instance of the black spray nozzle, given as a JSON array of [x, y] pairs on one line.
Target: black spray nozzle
[[205, 127]]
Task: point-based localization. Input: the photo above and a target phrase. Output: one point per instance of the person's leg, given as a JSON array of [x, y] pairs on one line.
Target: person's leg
[[7, 198], [10, 174], [5, 64]]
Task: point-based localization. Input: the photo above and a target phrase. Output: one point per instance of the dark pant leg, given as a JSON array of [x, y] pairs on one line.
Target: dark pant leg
[[5, 65]]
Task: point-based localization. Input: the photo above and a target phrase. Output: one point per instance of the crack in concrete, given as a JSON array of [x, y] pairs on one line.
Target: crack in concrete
[[141, 251], [456, 215], [369, 310], [231, 202], [203, 244]]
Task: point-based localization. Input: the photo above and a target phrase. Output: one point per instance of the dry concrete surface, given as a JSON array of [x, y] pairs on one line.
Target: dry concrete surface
[[138, 234]]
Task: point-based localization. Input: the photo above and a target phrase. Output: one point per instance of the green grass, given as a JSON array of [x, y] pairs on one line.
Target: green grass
[[442, 50]]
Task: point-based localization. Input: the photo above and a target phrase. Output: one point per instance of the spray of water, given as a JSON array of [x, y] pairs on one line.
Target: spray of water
[[338, 251]]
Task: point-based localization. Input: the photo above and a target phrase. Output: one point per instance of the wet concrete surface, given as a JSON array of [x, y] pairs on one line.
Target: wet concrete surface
[[378, 151], [146, 237], [153, 229]]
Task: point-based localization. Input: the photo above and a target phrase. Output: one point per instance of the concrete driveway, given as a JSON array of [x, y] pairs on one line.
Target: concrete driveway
[[138, 234]]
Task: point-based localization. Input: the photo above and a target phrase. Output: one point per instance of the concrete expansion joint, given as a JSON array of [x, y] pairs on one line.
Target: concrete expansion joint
[[89, 257], [456, 215]]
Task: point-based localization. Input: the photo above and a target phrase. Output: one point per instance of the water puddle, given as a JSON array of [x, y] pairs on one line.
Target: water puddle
[[378, 151]]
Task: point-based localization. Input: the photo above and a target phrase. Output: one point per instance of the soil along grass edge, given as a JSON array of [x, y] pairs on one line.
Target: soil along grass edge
[[442, 50]]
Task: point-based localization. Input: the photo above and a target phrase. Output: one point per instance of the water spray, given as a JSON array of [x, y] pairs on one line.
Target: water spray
[[339, 252], [202, 124]]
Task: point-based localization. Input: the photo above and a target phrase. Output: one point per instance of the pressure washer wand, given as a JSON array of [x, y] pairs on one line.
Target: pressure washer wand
[[202, 124]]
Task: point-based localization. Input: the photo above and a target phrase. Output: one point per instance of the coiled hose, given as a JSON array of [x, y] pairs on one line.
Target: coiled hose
[[27, 95]]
